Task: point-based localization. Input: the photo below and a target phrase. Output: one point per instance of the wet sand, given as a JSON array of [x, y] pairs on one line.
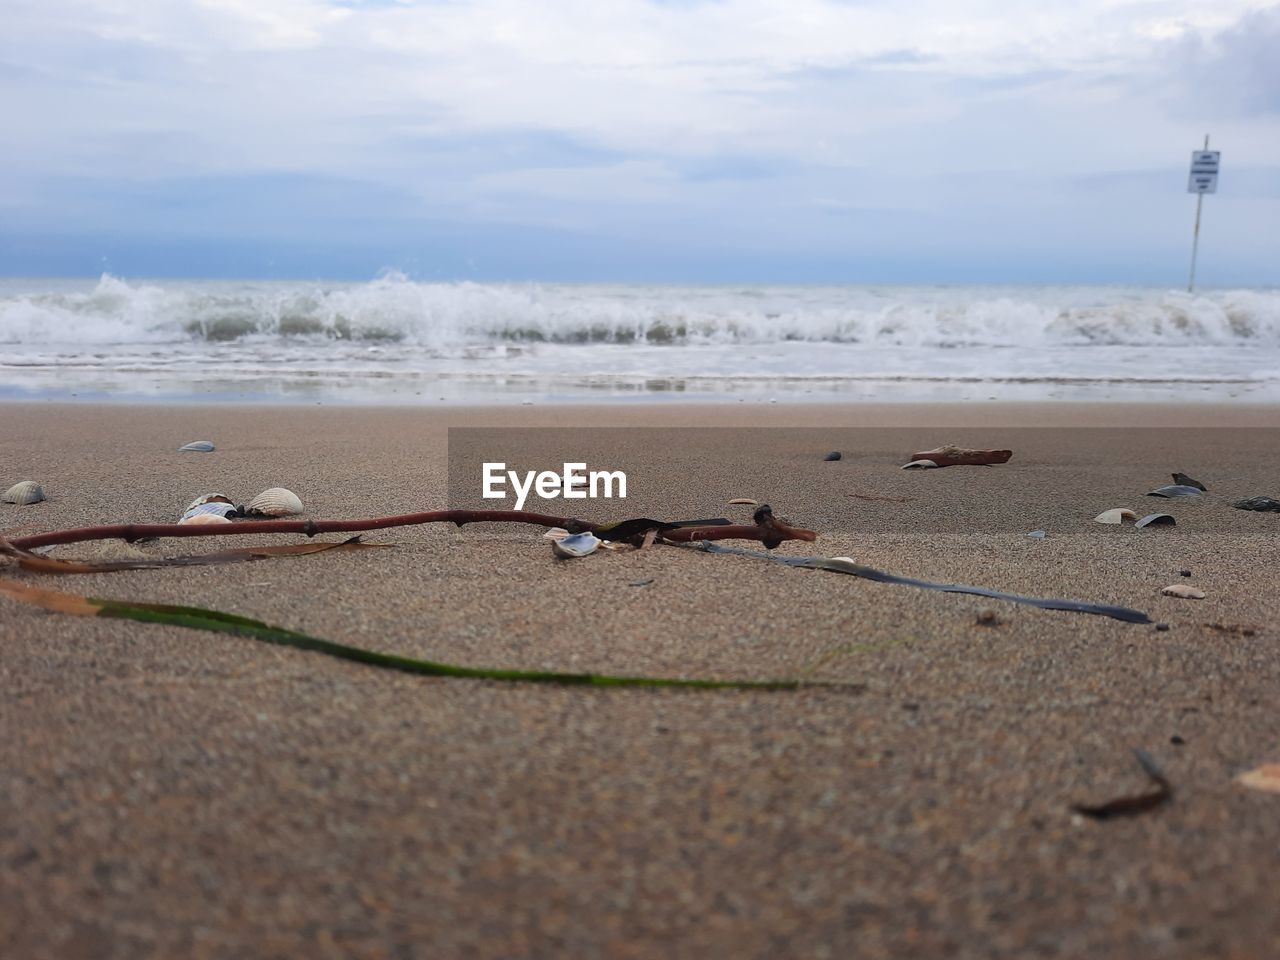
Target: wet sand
[[166, 792]]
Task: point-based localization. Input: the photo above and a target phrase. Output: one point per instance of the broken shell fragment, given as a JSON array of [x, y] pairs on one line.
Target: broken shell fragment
[[743, 501], [555, 533], [1265, 777], [1172, 490], [1157, 520], [1183, 480], [276, 502], [920, 465], [1115, 515], [196, 446], [194, 519], [575, 545], [1262, 504], [23, 492], [1183, 591]]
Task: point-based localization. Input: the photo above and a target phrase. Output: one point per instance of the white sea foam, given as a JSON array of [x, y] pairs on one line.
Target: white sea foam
[[448, 316], [394, 337]]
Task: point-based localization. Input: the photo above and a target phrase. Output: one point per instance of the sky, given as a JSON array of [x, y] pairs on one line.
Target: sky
[[886, 141]]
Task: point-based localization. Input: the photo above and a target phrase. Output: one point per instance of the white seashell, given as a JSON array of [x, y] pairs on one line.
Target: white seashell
[[1183, 591], [919, 465], [23, 493], [207, 498], [217, 509], [575, 545], [744, 501], [1115, 515], [196, 446], [1265, 777], [202, 518], [555, 533], [276, 502]]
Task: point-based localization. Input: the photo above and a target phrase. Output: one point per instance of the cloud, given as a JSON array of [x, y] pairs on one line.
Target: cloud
[[710, 123], [1236, 69]]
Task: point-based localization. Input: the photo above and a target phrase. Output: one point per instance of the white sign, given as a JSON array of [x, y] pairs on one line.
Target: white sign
[[1204, 171]]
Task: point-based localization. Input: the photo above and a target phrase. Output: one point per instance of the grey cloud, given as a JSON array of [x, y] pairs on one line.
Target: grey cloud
[[1237, 69]]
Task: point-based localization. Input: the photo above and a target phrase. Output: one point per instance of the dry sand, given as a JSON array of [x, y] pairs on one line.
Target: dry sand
[[170, 793]]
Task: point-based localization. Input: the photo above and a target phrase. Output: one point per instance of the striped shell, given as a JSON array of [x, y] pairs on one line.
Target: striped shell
[[276, 502], [202, 518], [24, 492], [207, 498], [197, 446], [214, 509]]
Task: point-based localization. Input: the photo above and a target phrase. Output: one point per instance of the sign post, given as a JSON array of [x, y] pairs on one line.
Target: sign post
[[1203, 179]]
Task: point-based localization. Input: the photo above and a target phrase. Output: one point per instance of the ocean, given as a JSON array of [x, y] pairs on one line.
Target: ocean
[[396, 341]]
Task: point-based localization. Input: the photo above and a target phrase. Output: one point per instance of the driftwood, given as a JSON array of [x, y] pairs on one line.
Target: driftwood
[[959, 456]]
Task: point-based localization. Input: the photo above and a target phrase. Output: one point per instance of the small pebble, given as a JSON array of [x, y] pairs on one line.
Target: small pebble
[[1162, 627], [987, 618], [1176, 740], [641, 583], [1184, 573], [833, 455]]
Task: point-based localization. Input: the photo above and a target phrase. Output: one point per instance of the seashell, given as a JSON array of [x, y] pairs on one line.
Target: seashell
[[919, 465], [575, 545], [1172, 490], [276, 502], [1265, 777], [203, 518], [833, 455], [1037, 534], [23, 492], [1115, 515], [555, 533], [1157, 520], [196, 446], [207, 498], [1183, 591], [1183, 480], [1263, 504], [227, 510], [743, 501]]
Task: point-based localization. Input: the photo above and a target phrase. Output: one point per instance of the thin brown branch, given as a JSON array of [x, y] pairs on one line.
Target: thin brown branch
[[769, 533]]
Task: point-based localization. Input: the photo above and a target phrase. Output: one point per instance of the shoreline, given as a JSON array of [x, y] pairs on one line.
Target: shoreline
[[887, 413]]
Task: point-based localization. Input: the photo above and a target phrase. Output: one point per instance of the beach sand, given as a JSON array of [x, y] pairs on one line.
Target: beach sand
[[167, 792]]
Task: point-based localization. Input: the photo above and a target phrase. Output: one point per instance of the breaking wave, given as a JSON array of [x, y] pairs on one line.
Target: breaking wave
[[444, 316]]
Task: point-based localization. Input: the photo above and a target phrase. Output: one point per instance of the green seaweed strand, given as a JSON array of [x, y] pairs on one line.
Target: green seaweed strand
[[198, 618]]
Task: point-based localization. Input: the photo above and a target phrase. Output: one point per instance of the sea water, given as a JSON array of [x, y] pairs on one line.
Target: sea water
[[393, 340]]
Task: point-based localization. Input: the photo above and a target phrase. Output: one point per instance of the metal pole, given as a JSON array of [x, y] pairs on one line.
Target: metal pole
[[1195, 234]]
